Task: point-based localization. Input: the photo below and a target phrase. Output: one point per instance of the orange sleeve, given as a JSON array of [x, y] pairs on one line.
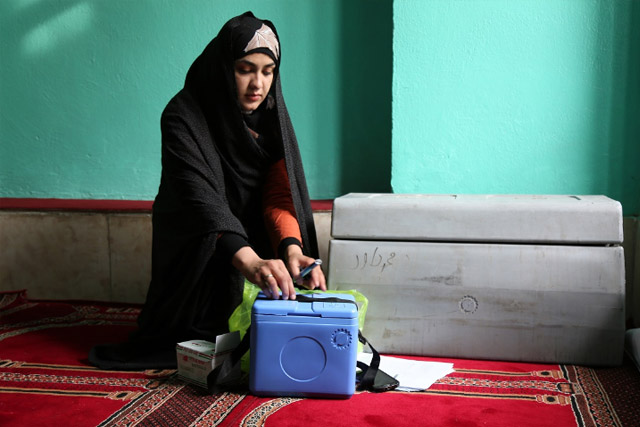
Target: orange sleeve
[[279, 212]]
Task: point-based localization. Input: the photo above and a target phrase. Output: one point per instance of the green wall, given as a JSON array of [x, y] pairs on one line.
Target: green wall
[[517, 96], [83, 84]]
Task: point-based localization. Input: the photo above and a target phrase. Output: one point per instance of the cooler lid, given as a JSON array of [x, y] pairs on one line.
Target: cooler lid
[[317, 308]]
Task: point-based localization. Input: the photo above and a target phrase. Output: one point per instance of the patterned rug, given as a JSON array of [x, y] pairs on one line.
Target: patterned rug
[[45, 380]]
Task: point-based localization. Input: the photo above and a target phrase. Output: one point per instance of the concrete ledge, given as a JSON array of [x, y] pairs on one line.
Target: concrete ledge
[[86, 255], [106, 256]]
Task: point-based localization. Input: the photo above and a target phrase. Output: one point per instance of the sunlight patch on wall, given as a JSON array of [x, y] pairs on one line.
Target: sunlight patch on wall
[[60, 28], [23, 4]]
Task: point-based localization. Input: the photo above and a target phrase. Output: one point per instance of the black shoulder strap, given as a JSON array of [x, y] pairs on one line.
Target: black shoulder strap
[[372, 377], [221, 375], [368, 372], [307, 298]]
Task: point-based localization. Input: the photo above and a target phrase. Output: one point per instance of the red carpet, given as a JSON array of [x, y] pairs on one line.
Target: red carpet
[[45, 380]]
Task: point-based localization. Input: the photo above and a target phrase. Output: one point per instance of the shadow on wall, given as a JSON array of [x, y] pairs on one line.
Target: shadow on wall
[[367, 63]]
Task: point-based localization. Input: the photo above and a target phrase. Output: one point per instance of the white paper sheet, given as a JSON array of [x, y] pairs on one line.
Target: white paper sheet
[[413, 375]]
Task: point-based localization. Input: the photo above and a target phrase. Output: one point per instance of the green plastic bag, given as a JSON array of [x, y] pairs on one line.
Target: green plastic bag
[[240, 319]]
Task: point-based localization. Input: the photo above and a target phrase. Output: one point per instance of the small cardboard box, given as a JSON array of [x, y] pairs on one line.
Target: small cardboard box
[[197, 358]]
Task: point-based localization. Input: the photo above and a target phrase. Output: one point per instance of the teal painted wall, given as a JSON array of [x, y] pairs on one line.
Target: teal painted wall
[[83, 84], [489, 96], [517, 96]]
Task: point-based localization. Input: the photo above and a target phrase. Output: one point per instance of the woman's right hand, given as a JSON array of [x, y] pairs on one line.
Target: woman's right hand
[[296, 261], [271, 275]]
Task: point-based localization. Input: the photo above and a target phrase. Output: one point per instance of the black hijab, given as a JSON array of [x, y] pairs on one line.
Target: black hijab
[[210, 85], [213, 171]]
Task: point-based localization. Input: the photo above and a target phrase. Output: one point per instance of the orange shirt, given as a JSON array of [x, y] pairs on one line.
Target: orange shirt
[[279, 212]]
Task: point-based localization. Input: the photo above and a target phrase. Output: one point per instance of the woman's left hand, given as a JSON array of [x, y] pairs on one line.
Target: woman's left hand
[[296, 261]]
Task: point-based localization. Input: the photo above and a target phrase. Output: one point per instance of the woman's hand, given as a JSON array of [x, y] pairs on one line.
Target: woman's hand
[[270, 275], [296, 261]]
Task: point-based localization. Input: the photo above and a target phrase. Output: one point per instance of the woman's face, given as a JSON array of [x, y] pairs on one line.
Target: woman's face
[[254, 75]]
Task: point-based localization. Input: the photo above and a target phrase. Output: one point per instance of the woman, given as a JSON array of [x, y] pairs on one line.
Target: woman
[[232, 202]]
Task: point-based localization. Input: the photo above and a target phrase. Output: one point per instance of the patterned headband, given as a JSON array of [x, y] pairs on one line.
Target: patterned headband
[[264, 37]]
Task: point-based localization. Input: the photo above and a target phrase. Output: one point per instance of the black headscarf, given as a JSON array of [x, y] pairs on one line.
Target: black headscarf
[[213, 171]]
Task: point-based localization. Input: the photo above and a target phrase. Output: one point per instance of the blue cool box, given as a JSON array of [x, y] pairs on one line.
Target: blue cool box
[[303, 348]]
